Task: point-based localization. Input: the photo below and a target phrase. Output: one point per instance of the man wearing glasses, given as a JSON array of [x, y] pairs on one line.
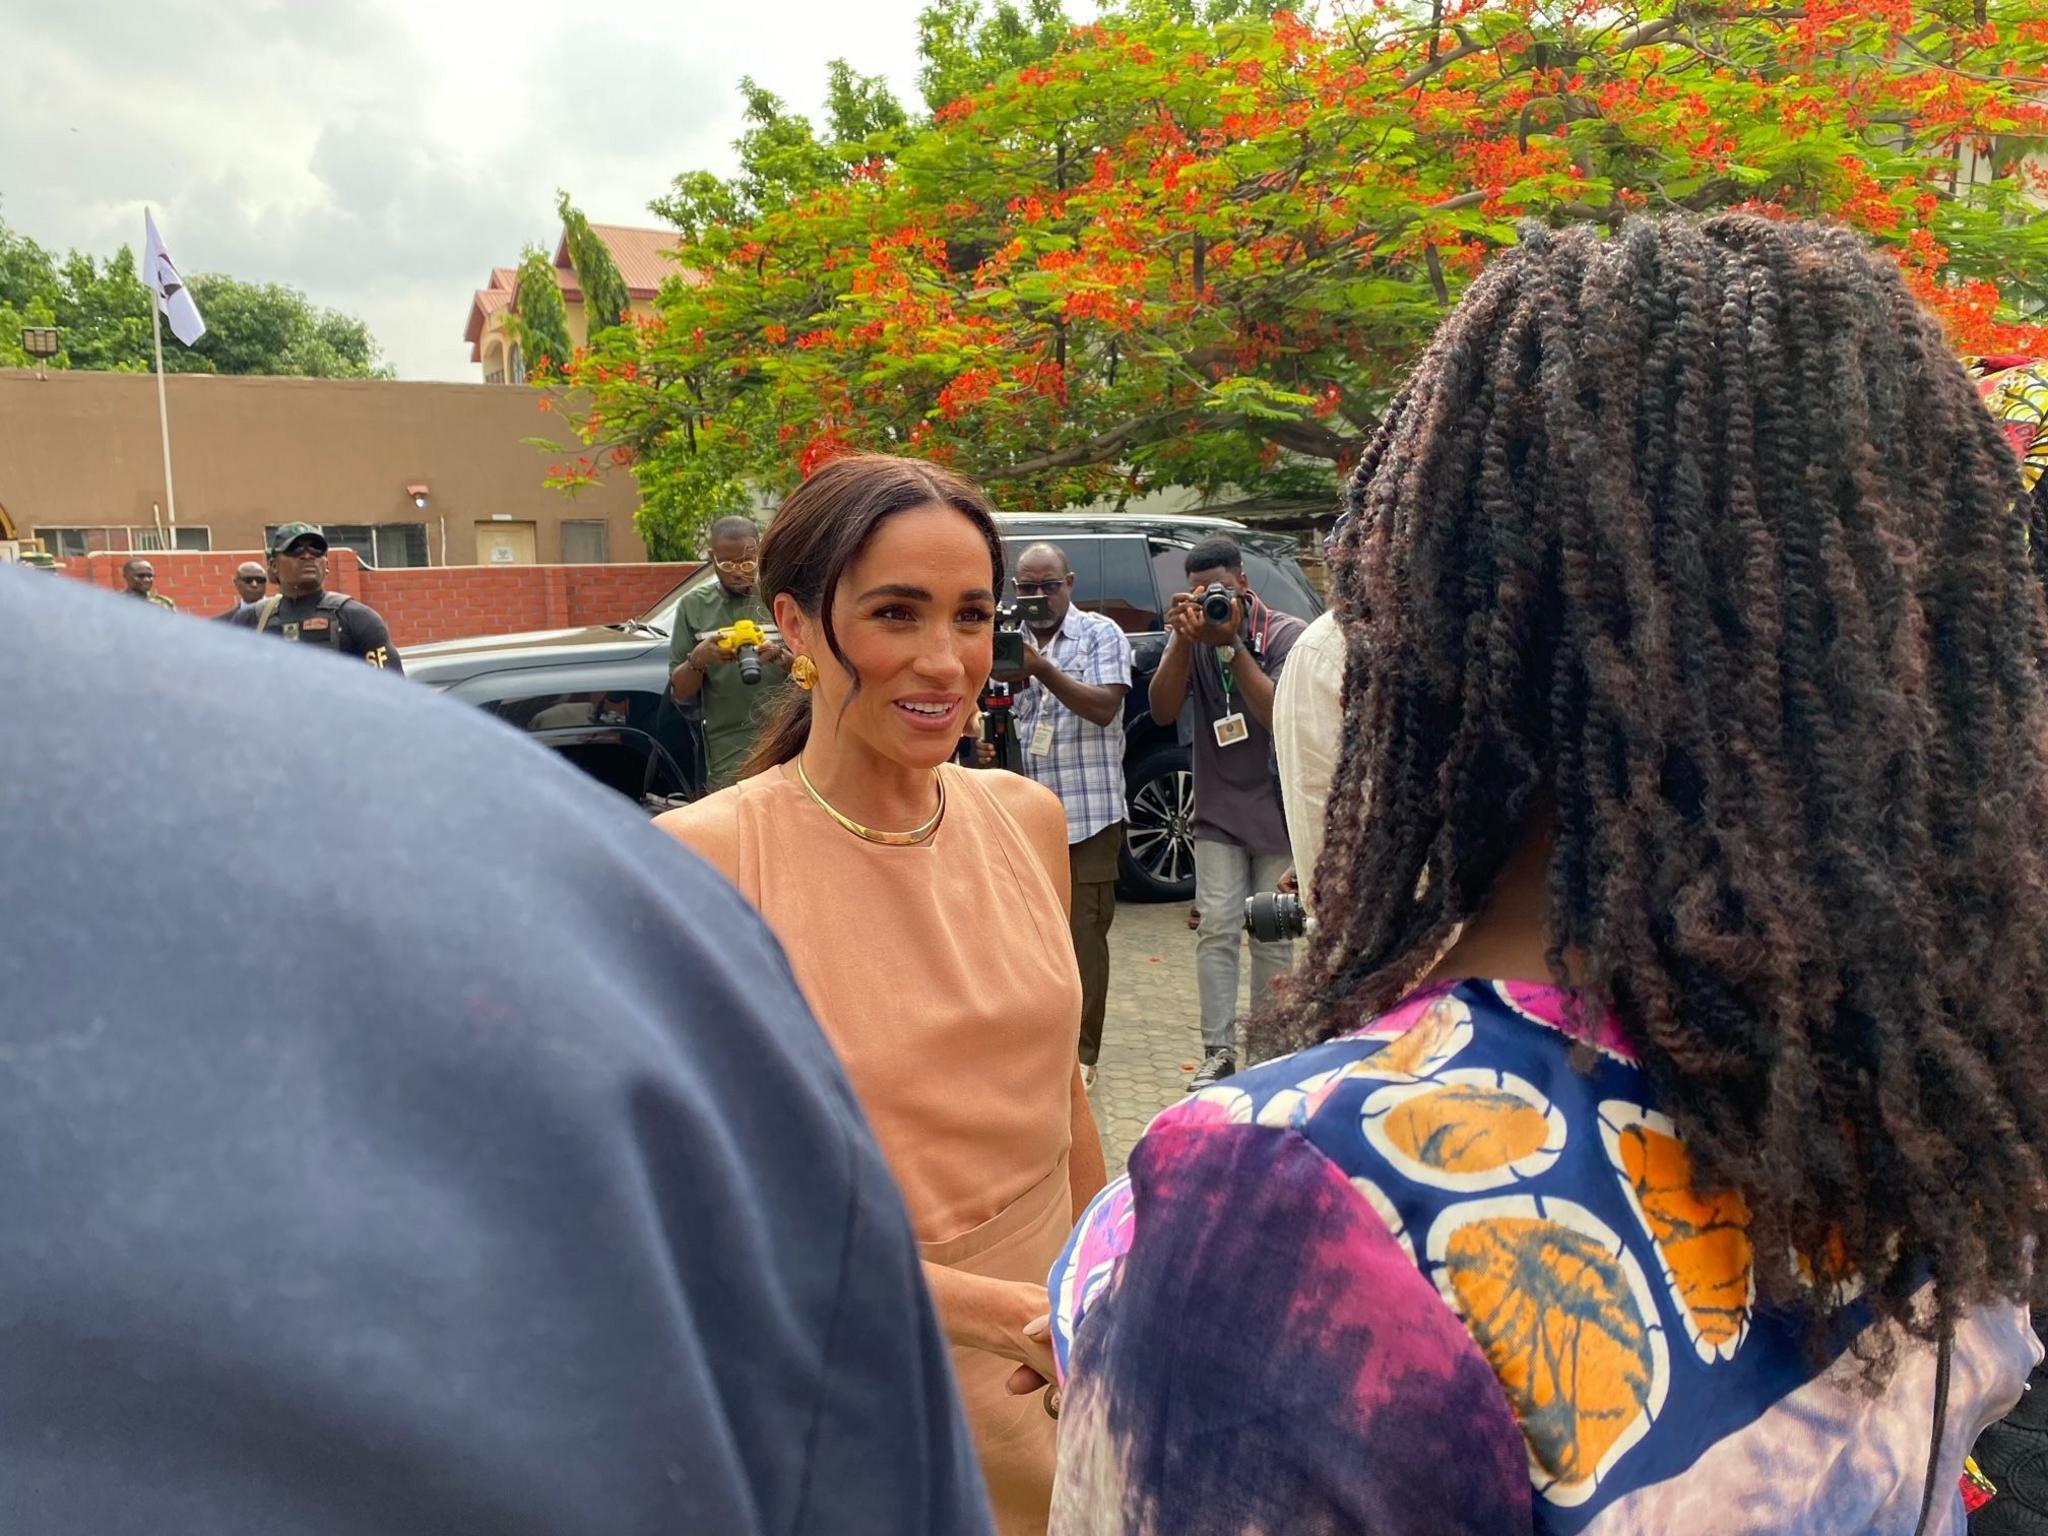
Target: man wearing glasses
[[701, 668], [1070, 720], [305, 611]]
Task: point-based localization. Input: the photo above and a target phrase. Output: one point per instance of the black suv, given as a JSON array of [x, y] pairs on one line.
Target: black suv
[[600, 696]]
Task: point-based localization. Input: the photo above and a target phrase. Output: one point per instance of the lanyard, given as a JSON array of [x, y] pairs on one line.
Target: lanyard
[[1258, 650]]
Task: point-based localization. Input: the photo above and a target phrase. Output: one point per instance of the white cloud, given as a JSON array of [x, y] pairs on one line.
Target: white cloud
[[383, 155]]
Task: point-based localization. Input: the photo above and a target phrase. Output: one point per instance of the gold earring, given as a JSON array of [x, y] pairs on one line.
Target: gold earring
[[804, 673]]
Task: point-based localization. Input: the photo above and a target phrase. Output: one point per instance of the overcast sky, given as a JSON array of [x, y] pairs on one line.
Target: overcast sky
[[384, 156]]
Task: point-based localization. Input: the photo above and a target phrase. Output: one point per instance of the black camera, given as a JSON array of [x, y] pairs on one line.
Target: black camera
[[1010, 642], [1274, 917], [1219, 603]]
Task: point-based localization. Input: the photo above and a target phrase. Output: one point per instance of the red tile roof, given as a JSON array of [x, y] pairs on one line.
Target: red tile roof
[[641, 255]]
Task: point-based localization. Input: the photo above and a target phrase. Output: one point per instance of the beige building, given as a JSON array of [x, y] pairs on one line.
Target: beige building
[[405, 474], [642, 257]]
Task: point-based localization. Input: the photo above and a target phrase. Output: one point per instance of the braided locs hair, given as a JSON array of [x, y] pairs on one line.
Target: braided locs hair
[[1697, 545]]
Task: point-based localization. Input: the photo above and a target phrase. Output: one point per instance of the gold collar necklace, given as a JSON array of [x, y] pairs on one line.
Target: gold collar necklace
[[869, 834]]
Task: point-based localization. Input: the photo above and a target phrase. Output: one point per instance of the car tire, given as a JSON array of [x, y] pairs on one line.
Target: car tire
[[1157, 860]]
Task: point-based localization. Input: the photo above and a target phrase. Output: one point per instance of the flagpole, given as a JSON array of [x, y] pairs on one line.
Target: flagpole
[[163, 413]]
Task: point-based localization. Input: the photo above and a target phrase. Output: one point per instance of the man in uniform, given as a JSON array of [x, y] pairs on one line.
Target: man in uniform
[[701, 668], [138, 576], [250, 581], [304, 611]]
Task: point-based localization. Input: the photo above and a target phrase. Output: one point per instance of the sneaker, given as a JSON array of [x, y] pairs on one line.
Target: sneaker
[[1216, 1066], [1088, 1076]]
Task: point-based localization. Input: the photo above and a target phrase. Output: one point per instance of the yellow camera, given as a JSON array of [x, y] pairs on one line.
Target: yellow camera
[[744, 641]]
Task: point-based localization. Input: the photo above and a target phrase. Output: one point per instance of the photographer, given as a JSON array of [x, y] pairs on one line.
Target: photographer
[[702, 668], [1070, 723], [1224, 651]]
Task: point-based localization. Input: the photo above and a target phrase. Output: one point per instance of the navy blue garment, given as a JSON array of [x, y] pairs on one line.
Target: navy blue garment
[[397, 1134]]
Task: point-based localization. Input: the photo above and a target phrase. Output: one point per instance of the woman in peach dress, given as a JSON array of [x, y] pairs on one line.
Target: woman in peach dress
[[923, 909]]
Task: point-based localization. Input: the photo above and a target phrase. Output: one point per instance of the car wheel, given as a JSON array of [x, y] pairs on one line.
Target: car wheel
[[1157, 862]]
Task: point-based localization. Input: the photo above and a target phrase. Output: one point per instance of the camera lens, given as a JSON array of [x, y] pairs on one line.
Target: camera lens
[[1272, 917], [1216, 603], [750, 665]]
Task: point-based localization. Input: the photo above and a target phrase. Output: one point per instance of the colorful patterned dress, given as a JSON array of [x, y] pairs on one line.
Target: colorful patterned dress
[[1435, 1277], [2015, 391]]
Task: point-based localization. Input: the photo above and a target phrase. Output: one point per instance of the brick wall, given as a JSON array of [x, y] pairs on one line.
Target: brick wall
[[427, 602]]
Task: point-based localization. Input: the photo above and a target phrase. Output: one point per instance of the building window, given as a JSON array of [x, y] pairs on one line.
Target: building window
[[495, 376], [199, 540], [66, 543], [586, 542], [517, 372], [382, 545], [75, 543]]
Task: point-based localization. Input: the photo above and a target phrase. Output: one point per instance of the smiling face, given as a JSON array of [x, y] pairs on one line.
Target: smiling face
[[915, 615]]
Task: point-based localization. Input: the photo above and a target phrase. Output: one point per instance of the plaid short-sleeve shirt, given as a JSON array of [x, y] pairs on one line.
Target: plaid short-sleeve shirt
[[1085, 763]]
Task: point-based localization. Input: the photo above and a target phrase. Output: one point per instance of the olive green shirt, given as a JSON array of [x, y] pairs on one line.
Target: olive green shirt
[[733, 712]]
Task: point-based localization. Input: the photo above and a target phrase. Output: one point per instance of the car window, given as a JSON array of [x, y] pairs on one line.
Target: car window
[[626, 761], [1281, 586], [633, 723], [1129, 595]]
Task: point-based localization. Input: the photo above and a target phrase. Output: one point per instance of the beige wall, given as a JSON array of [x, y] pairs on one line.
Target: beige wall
[[82, 450]]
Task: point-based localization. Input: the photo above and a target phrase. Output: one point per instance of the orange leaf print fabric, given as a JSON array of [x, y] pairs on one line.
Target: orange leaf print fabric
[[1564, 1315], [1465, 1130], [1702, 1241]]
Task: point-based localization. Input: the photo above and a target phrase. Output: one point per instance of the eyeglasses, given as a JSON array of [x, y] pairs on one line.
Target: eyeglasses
[[737, 567], [306, 552], [1039, 588]]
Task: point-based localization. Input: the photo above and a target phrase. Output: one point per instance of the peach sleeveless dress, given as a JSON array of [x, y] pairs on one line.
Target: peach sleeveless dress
[[944, 976]]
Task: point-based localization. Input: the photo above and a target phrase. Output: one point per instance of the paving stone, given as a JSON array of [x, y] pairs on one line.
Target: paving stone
[[1152, 1035]]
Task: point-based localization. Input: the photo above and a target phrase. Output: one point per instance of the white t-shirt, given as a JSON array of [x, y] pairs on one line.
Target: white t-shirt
[[1308, 726]]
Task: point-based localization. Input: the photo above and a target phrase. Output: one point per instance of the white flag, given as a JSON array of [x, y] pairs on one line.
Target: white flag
[[172, 296]]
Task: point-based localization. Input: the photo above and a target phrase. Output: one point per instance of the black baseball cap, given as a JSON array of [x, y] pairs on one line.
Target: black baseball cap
[[289, 534]]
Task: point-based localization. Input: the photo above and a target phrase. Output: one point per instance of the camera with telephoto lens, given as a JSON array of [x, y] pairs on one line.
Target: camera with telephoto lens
[[1274, 917], [743, 641], [1219, 603], [1010, 642]]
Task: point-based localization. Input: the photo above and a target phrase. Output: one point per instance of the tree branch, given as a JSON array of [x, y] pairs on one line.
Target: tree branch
[[1094, 450], [1439, 64]]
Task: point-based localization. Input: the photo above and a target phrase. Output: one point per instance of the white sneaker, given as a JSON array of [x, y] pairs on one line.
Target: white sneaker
[[1088, 1076]]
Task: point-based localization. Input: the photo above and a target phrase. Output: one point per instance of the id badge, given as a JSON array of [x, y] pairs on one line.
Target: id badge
[[1041, 739], [1231, 729]]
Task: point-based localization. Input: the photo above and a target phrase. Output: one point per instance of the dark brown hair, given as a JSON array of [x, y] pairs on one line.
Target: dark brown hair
[[820, 529], [1699, 543]]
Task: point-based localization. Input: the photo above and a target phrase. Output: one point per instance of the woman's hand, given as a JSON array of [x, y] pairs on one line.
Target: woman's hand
[[1004, 1317]]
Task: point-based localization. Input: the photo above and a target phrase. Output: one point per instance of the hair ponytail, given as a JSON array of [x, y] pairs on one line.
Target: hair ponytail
[[783, 737]]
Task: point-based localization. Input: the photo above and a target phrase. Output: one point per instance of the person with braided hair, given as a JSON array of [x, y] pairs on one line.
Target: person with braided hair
[[1662, 1148]]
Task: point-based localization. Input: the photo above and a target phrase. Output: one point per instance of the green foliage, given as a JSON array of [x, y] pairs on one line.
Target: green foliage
[[1198, 243], [965, 46], [102, 311], [539, 321], [268, 328], [605, 299], [860, 108]]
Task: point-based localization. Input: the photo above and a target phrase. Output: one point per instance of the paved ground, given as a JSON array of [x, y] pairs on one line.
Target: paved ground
[[1152, 1039]]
